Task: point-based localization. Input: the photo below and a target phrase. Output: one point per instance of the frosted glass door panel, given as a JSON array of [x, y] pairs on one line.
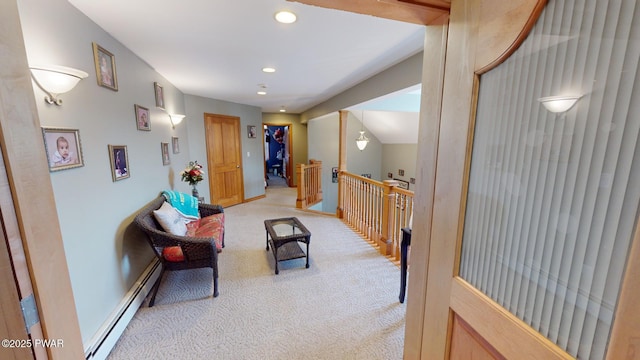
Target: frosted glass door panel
[[553, 197]]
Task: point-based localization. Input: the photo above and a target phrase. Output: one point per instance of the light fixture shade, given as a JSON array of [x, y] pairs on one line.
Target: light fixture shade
[[176, 119], [57, 79], [558, 104], [362, 141]]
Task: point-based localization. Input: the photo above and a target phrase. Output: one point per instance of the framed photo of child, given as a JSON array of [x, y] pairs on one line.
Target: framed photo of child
[[165, 153], [105, 64], [142, 118], [251, 131], [119, 159], [62, 147]]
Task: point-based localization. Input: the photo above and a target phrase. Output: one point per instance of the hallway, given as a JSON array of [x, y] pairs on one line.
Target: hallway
[[275, 181], [344, 306]]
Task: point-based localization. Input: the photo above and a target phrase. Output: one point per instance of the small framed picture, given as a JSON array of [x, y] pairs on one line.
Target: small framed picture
[[175, 145], [164, 147], [402, 184], [63, 148], [105, 64], [251, 131], [142, 118], [400, 172], [390, 175], [159, 95], [119, 159], [412, 180]]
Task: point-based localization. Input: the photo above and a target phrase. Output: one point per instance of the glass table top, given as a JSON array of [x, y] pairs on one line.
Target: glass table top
[[286, 227]]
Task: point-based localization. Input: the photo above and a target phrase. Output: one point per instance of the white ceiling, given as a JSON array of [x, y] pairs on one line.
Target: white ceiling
[[217, 48]]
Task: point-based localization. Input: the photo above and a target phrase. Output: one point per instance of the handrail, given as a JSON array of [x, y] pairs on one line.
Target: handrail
[[309, 184], [377, 210]]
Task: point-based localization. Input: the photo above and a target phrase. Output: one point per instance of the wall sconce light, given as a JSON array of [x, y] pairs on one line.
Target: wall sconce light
[[558, 104], [175, 119], [362, 141], [55, 80]]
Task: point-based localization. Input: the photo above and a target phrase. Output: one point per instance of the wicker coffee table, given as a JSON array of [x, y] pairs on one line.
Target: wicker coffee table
[[284, 234]]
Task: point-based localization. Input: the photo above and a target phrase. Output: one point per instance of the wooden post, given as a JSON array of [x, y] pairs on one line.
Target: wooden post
[[384, 242], [28, 202], [342, 161], [301, 201]]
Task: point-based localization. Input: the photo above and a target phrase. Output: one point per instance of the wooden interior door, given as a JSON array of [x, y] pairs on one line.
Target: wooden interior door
[[447, 317], [458, 321], [224, 159]]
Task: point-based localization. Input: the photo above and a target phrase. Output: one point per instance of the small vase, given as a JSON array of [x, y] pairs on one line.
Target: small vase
[[194, 191]]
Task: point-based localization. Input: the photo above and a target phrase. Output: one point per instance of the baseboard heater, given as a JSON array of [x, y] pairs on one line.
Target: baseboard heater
[[99, 347]]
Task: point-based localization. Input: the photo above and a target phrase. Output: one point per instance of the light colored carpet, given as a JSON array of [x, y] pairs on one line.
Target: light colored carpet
[[345, 306]]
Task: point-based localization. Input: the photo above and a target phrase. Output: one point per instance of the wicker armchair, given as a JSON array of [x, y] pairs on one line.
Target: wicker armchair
[[198, 252]]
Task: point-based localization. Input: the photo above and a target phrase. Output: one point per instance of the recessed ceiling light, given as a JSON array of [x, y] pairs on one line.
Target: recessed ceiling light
[[262, 93], [285, 17], [268, 70]]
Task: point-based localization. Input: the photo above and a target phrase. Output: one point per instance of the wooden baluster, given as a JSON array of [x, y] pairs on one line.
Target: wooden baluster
[[376, 213], [310, 181], [354, 197], [358, 208], [367, 224], [319, 177]]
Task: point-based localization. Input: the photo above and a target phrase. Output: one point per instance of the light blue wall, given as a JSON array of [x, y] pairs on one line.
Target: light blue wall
[[252, 152], [399, 156], [106, 255], [367, 161], [323, 145]]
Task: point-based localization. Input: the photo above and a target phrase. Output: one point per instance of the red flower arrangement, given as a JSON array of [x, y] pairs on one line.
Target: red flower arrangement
[[193, 173]]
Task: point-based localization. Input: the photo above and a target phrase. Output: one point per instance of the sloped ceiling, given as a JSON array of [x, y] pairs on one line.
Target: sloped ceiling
[[393, 118]]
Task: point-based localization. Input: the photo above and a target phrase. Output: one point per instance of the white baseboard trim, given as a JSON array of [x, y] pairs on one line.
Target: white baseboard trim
[[106, 337]]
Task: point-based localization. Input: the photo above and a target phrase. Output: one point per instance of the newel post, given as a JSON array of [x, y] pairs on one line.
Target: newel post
[[342, 161], [387, 202], [301, 201]]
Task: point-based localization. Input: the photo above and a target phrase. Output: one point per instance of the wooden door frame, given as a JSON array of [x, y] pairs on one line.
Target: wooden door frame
[[289, 163], [38, 228], [13, 326], [445, 293], [478, 39]]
